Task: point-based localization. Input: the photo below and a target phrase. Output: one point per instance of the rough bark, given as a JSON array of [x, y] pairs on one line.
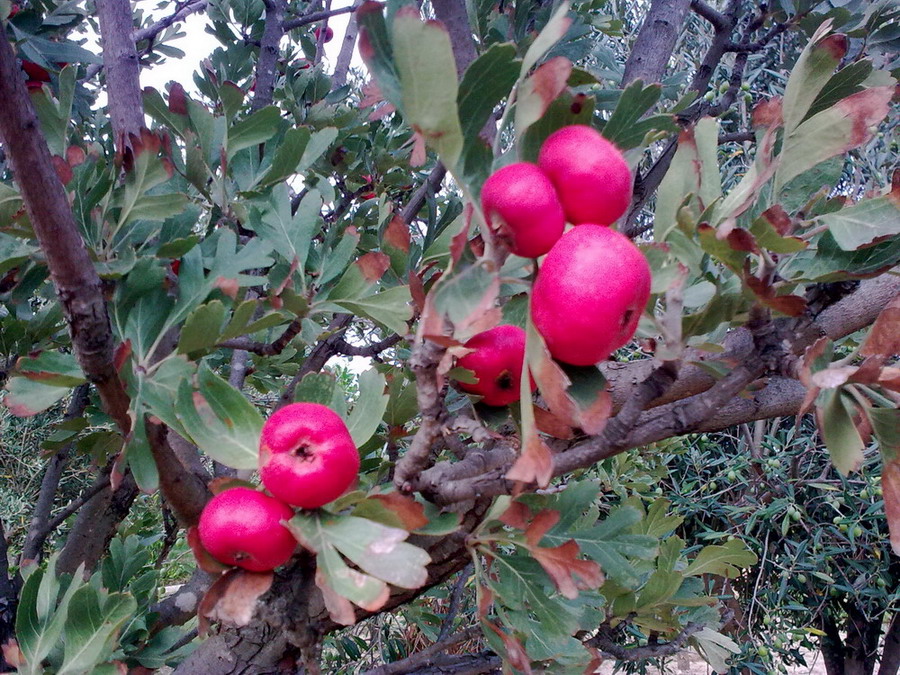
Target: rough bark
[[656, 41], [268, 55], [342, 65], [123, 70], [256, 650], [890, 655]]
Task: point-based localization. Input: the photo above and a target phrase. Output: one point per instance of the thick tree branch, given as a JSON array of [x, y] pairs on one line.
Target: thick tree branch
[[183, 490], [71, 269], [656, 41], [268, 55], [123, 71]]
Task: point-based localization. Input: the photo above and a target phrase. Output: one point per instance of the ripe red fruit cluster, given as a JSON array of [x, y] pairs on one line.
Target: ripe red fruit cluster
[[307, 459], [594, 282]]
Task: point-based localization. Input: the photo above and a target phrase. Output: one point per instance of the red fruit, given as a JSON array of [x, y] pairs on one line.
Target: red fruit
[[243, 527], [34, 85], [306, 455], [589, 173], [35, 72], [589, 294], [13, 10], [497, 363], [521, 205], [329, 34]]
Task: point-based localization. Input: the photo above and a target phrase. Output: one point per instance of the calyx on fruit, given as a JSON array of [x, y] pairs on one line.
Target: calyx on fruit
[[589, 294], [497, 363], [307, 457], [520, 204], [242, 527], [590, 175]]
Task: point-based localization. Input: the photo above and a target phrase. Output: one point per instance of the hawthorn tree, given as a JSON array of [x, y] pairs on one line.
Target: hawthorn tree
[[176, 266]]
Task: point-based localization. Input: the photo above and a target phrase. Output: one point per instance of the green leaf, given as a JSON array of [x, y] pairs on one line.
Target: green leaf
[[835, 412], [159, 392], [202, 328], [427, 70], [486, 82], [552, 33], [378, 550], [843, 83], [220, 420], [725, 560], [25, 397], [13, 251], [92, 625], [715, 648], [811, 73], [864, 223], [369, 408], [390, 308], [42, 612], [835, 131], [253, 130], [51, 368], [827, 262], [377, 51], [625, 127]]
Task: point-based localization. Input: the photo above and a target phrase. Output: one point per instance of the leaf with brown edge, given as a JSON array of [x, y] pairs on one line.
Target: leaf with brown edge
[[791, 305], [396, 234], [393, 509], [517, 515], [741, 240], [177, 99], [568, 573], [537, 92], [540, 525], [885, 423], [237, 601], [534, 464], [550, 424], [417, 291], [373, 265], [551, 379], [516, 655], [884, 336], [205, 561], [339, 608]]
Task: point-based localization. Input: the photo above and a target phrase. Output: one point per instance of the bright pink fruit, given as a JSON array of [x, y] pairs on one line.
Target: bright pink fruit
[[243, 527], [306, 455], [589, 173], [520, 203], [589, 294], [497, 363]]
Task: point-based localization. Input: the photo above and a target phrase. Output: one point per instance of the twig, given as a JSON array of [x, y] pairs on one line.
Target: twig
[[374, 349], [317, 358], [455, 602], [650, 651], [430, 186], [266, 348], [426, 656], [315, 16]]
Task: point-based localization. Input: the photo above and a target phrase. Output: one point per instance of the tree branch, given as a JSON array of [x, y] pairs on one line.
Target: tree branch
[[71, 269], [123, 71], [154, 29], [631, 654], [316, 16], [374, 349], [268, 55], [184, 491], [426, 656], [37, 528], [656, 41], [318, 357], [266, 348]]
